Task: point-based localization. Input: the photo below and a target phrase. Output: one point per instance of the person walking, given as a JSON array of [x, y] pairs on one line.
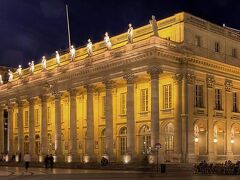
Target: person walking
[[51, 161], [27, 160]]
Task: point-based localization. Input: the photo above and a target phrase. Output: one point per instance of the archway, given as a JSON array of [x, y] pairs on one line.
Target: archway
[[219, 138], [235, 139], [200, 137]]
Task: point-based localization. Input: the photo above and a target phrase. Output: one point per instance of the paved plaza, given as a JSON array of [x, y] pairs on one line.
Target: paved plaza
[[12, 173]]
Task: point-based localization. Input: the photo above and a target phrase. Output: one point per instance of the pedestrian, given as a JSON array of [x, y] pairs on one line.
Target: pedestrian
[[51, 161], [46, 161], [27, 160]]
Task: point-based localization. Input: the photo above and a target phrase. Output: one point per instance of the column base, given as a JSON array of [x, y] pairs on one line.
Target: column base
[[191, 158], [73, 158], [230, 156], [177, 158], [211, 157], [59, 158], [89, 158]]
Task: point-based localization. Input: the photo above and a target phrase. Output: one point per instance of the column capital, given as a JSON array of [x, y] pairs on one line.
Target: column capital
[[31, 100], [210, 81], [129, 77], [19, 103], [190, 78], [57, 95], [108, 84], [228, 85], [72, 92], [154, 72], [178, 78], [44, 98], [89, 88]]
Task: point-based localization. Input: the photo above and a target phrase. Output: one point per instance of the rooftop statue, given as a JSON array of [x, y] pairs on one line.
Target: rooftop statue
[[153, 23], [89, 48], [107, 41], [31, 67], [10, 75], [1, 81], [19, 71], [57, 58], [130, 33], [44, 63], [72, 53]]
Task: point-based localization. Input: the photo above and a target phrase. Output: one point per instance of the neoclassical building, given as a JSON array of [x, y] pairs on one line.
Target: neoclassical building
[[180, 89]]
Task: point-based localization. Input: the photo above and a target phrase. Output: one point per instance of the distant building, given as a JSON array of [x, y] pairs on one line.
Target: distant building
[[181, 89]]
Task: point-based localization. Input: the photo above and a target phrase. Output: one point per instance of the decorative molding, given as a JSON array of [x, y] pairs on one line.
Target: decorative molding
[[190, 78], [228, 85], [72, 92], [89, 88], [109, 84]]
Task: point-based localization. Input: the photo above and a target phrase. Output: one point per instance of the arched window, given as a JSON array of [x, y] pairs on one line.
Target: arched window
[[102, 142], [26, 144], [144, 139], [37, 144], [123, 140]]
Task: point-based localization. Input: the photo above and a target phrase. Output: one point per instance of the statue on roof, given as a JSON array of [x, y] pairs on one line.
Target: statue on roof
[[153, 23], [44, 63], [10, 75], [57, 58], [31, 67], [19, 70], [89, 47], [72, 52], [107, 41], [1, 81], [130, 33]]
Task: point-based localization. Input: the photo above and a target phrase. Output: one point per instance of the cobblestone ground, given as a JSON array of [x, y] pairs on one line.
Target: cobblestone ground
[[12, 173]]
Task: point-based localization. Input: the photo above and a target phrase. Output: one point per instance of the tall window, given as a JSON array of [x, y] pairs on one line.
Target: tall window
[[217, 47], [36, 117], [167, 96], [199, 96], [218, 99], [197, 41], [49, 115], [26, 144], [123, 103], [123, 140], [235, 108], [37, 144], [234, 52], [104, 106], [144, 100], [26, 122]]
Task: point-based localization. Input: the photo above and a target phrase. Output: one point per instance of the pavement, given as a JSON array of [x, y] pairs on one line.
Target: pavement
[[15, 173]]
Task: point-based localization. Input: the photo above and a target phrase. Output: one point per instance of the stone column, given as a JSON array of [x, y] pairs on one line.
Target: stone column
[[177, 114], [1, 129], [154, 73], [73, 125], [58, 129], [20, 128], [228, 108], [129, 77], [10, 130], [90, 123], [210, 110], [184, 118], [191, 157], [44, 126], [32, 129], [109, 118]]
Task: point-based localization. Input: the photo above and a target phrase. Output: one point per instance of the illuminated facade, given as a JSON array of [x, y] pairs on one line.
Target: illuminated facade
[[180, 89]]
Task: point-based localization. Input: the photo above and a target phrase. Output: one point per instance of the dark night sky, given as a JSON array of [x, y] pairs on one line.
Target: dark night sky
[[30, 29]]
